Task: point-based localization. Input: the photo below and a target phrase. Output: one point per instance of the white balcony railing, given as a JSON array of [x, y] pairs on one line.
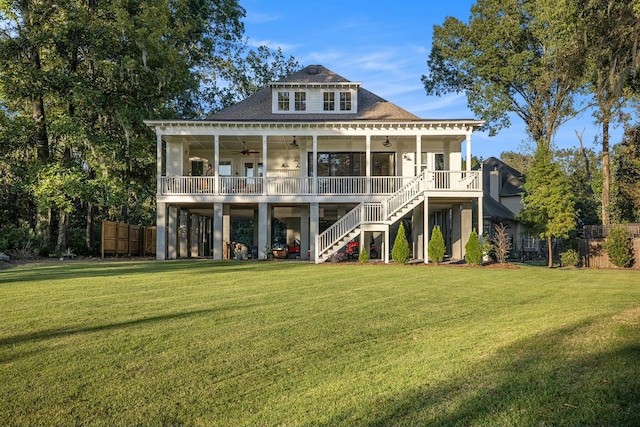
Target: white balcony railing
[[458, 181]]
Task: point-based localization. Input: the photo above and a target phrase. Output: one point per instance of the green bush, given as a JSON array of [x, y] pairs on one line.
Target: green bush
[[437, 248], [400, 252], [364, 256], [473, 249], [618, 247], [570, 258]]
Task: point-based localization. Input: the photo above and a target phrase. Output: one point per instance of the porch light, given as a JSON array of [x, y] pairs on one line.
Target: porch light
[[294, 143], [386, 143]]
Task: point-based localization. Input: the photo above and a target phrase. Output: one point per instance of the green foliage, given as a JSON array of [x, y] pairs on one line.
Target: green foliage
[[78, 79], [511, 57], [625, 194], [400, 252], [585, 179], [437, 247], [14, 238], [618, 247], [570, 258], [549, 206], [473, 249], [363, 258]]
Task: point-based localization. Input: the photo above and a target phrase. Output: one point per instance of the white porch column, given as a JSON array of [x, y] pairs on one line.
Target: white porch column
[[216, 163], [314, 228], [368, 164], [457, 243], [161, 232], [468, 148], [264, 229], [304, 232], [480, 217], [226, 225], [217, 230], [427, 230], [466, 225], [158, 164], [418, 231], [173, 224], [264, 164], [183, 233], [418, 158], [314, 170], [194, 232]]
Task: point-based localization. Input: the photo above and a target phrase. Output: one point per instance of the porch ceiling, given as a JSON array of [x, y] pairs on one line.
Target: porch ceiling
[[284, 142]]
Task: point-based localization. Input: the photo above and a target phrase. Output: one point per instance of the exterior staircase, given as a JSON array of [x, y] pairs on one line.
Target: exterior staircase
[[386, 213]]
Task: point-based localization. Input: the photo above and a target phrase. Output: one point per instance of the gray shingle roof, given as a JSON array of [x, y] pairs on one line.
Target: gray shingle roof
[[257, 107], [511, 179]]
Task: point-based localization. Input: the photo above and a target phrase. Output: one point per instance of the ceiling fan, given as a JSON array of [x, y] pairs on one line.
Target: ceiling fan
[[245, 151]]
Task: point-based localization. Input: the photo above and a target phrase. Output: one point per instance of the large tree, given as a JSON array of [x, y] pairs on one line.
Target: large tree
[[77, 78], [626, 177], [610, 31], [549, 205], [513, 56]]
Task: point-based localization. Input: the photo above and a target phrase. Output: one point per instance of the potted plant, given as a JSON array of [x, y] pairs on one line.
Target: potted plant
[[268, 252]]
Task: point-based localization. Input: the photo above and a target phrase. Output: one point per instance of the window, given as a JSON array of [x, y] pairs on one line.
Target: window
[[224, 168], [383, 164], [300, 101], [339, 164], [197, 168], [345, 101], [283, 101], [329, 101]]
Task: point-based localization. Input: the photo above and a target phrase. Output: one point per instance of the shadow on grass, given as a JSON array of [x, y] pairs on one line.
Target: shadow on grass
[[550, 379], [65, 332], [89, 269]]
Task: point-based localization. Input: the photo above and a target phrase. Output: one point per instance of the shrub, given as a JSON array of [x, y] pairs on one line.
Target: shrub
[[487, 249], [436, 245], [570, 258], [364, 256], [501, 243], [618, 247], [400, 252], [473, 249]]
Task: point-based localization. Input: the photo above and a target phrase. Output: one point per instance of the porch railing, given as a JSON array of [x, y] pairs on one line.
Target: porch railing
[[338, 185]]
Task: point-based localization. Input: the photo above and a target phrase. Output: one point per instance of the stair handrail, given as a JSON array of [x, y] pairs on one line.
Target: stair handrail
[[404, 195], [354, 218], [339, 229]]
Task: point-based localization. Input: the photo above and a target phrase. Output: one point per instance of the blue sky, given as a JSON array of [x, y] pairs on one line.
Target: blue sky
[[386, 47]]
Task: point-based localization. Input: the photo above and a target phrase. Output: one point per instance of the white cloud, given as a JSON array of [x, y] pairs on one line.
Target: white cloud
[[271, 44], [261, 18]]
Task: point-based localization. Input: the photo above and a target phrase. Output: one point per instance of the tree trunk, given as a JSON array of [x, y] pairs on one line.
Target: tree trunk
[[606, 173], [550, 247], [88, 237], [63, 222]]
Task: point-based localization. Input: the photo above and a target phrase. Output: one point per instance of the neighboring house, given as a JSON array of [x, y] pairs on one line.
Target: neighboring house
[[324, 156], [503, 191]]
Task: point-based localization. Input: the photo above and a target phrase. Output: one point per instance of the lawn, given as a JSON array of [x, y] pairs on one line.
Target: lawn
[[291, 343]]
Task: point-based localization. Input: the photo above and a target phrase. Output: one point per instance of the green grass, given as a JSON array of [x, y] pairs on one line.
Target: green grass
[[286, 343]]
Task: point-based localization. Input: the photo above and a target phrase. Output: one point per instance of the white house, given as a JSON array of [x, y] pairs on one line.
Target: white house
[[326, 157]]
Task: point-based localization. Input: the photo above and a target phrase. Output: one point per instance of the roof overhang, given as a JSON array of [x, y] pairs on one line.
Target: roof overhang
[[459, 125]]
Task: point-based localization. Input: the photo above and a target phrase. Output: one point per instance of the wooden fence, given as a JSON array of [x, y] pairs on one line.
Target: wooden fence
[[594, 236], [119, 238]]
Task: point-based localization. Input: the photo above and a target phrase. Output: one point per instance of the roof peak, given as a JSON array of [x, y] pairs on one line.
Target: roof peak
[[313, 74]]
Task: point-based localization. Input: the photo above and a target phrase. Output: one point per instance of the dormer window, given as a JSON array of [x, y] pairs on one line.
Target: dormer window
[[300, 101], [345, 101], [329, 99], [283, 101], [310, 98]]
